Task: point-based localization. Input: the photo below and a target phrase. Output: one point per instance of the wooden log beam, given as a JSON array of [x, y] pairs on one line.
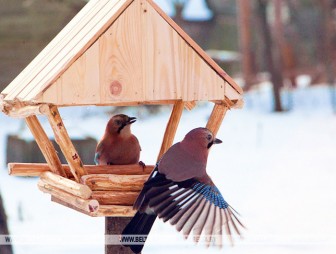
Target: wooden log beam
[[68, 205], [216, 118], [36, 169], [45, 145], [103, 211], [67, 185], [88, 205], [115, 197], [171, 128], [18, 111], [190, 105], [111, 182], [115, 211], [63, 140]]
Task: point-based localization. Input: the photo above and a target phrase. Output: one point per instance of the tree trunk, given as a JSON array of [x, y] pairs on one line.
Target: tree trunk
[[327, 41], [245, 34], [114, 226], [273, 67], [4, 249]]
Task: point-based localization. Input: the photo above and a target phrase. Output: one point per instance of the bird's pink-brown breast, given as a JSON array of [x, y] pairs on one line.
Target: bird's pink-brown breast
[[179, 164], [119, 150]]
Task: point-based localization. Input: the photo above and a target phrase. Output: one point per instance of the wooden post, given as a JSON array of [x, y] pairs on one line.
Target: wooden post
[[171, 128], [4, 249], [113, 227], [45, 145], [63, 140], [216, 118]]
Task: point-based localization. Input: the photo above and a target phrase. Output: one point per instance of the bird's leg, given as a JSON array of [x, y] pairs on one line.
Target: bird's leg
[[141, 163]]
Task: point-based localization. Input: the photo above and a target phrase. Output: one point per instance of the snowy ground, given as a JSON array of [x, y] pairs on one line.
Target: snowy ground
[[277, 170]]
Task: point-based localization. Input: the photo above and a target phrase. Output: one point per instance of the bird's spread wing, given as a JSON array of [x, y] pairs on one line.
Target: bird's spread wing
[[191, 206]]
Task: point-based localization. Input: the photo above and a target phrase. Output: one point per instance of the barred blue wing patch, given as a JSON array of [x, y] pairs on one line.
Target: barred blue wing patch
[[185, 205], [211, 193]]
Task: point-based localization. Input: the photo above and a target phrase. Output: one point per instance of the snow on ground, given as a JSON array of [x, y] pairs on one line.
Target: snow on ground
[[276, 169]]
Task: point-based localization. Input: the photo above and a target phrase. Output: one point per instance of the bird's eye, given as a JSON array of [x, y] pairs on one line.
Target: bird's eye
[[118, 122], [209, 137]]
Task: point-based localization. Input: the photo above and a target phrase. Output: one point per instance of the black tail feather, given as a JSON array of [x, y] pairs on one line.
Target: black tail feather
[[140, 224]]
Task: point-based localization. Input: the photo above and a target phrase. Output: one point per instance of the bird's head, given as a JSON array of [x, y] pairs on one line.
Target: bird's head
[[120, 124], [201, 137]]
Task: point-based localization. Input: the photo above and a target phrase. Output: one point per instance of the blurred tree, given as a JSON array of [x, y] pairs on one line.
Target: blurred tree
[[245, 34], [4, 249], [327, 41], [271, 54]]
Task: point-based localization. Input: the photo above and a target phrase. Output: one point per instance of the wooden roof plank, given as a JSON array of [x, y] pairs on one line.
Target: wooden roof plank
[[166, 63], [74, 49], [63, 36]]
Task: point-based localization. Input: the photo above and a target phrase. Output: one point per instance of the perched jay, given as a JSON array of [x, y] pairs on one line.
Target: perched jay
[[118, 145], [180, 191]]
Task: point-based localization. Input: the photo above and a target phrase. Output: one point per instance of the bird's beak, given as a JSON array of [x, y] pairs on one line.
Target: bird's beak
[[131, 120], [217, 141]]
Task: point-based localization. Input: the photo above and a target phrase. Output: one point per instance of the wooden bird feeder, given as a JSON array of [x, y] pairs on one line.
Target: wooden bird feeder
[[115, 53]]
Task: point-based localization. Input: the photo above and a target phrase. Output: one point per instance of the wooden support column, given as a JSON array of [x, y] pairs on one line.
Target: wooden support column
[[171, 128], [113, 227], [45, 145], [216, 117], [63, 140]]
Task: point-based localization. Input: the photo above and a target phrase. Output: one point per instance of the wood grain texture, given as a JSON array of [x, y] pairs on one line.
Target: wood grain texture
[[103, 210], [67, 185], [169, 135], [115, 197], [36, 169], [71, 206], [45, 145], [120, 58], [109, 182], [18, 111], [142, 58], [88, 205], [115, 211], [63, 140], [216, 118]]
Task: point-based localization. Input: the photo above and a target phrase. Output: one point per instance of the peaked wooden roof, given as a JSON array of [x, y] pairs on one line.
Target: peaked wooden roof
[[121, 51]]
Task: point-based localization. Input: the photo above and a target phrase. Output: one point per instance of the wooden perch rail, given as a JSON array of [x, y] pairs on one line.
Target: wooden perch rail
[[115, 211], [106, 182], [67, 185], [36, 169], [103, 210], [115, 197], [89, 205]]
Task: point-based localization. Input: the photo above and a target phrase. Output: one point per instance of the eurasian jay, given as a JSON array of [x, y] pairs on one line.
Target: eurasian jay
[[180, 191], [118, 145]]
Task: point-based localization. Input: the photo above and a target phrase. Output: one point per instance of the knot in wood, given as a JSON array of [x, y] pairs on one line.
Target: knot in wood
[[115, 88]]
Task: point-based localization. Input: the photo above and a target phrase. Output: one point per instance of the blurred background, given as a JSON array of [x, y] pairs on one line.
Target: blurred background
[[277, 163]]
